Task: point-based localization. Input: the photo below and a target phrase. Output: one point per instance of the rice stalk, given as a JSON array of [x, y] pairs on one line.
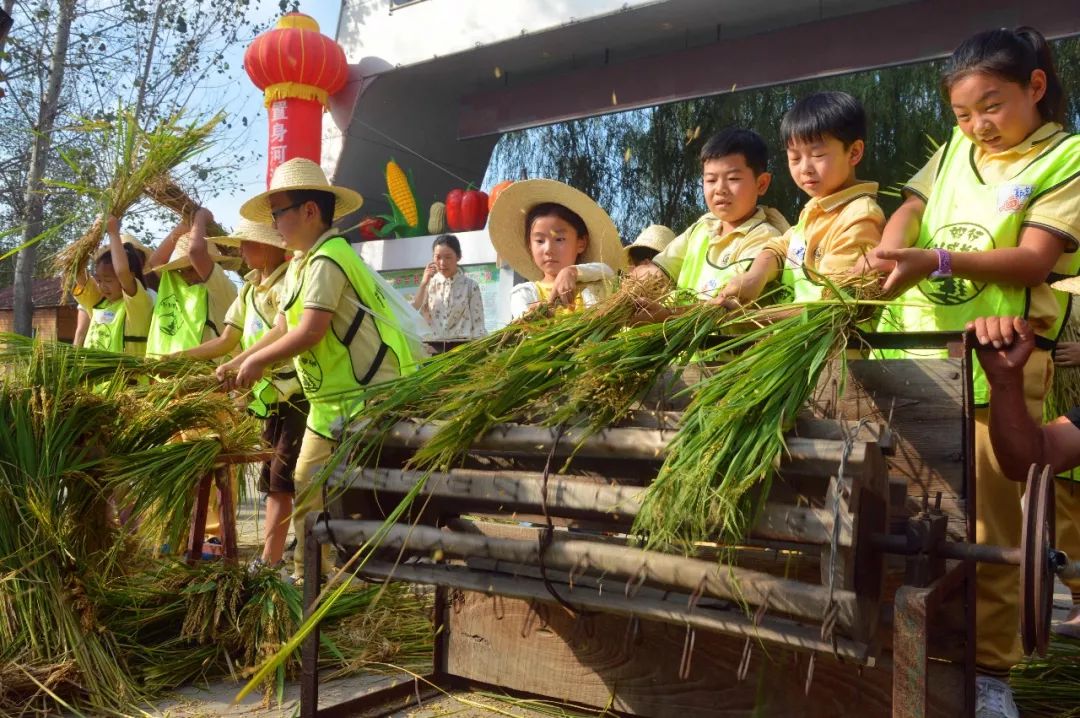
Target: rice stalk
[[732, 434], [139, 159], [1049, 687]]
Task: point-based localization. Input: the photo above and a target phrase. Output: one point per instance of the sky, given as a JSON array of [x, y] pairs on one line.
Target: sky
[[248, 101]]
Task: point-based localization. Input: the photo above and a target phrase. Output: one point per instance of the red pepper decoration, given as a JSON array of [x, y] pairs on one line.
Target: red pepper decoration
[[466, 210]]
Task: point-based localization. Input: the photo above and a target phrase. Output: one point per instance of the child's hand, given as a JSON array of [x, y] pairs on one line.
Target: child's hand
[[1067, 354], [226, 373], [911, 266], [647, 270], [202, 217], [249, 373], [112, 226], [871, 263], [1006, 344], [565, 287]]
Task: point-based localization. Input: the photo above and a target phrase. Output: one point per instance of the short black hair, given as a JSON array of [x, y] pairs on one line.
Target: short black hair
[[447, 240], [325, 201], [824, 114], [737, 141]]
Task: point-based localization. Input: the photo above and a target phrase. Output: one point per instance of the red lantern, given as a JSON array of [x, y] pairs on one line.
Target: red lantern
[[298, 68]]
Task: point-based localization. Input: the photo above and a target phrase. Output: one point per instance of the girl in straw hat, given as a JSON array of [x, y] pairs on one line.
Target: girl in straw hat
[[336, 323], [558, 239], [276, 399], [193, 291], [117, 302]]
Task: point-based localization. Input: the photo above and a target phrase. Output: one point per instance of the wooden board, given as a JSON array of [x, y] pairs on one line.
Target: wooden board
[[597, 661]]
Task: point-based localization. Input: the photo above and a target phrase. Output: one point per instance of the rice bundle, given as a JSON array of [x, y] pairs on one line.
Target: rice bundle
[[732, 434], [140, 160]]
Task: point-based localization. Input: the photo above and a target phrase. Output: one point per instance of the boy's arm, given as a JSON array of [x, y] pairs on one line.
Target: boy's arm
[[119, 257], [199, 249], [1026, 265], [161, 255], [747, 287], [226, 370], [313, 325], [216, 347]]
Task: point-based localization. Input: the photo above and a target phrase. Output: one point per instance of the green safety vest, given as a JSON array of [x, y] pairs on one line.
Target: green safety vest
[[107, 324], [180, 315], [332, 385], [268, 390], [794, 276], [698, 273], [964, 214]]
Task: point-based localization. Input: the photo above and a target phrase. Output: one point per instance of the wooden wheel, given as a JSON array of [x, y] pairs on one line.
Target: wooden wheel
[[1036, 562]]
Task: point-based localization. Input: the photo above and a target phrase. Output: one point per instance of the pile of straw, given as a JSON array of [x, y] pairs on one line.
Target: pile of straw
[[87, 618]]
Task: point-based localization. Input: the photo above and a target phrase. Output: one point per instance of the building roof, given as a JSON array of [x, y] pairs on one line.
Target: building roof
[[46, 293]]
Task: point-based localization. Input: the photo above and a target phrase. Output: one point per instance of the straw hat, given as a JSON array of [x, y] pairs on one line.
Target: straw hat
[[506, 225], [298, 174], [248, 231], [655, 237], [1070, 285], [179, 258], [126, 238]]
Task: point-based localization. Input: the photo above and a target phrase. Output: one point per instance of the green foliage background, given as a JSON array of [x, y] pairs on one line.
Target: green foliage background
[[642, 167]]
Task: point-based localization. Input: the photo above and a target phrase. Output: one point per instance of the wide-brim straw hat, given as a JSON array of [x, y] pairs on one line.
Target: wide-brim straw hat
[[655, 237], [125, 238], [1070, 285], [299, 174], [248, 231], [179, 258], [506, 225]]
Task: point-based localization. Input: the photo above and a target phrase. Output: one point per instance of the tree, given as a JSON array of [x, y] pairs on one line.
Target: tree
[[34, 200], [161, 56]]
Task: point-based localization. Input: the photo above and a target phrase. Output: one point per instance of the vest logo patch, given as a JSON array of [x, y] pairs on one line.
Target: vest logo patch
[[106, 317], [1012, 198], [796, 254], [960, 237], [310, 372], [167, 311], [97, 337], [710, 286]]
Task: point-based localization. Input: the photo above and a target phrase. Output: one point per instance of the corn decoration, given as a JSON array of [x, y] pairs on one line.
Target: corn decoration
[[404, 221]]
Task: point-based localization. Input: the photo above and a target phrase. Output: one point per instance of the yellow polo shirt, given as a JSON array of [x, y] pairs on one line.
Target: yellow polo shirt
[[1056, 211], [138, 311], [839, 229], [269, 294], [743, 243]]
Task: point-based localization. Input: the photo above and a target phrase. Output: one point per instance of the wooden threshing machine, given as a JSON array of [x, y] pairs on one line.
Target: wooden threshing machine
[[853, 594]]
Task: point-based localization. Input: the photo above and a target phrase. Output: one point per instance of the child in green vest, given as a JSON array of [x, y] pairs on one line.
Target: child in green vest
[[990, 220], [276, 399], [193, 291], [825, 137], [335, 324], [117, 301], [723, 242]]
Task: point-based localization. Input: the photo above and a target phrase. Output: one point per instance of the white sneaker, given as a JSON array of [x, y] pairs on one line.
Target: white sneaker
[[994, 699]]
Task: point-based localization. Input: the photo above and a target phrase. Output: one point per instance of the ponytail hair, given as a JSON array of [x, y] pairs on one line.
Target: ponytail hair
[[1011, 55]]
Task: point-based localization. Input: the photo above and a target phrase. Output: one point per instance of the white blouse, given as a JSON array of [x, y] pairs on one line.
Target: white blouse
[[454, 307]]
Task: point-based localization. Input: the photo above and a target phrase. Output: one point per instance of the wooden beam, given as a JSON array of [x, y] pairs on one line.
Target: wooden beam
[[626, 563]]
